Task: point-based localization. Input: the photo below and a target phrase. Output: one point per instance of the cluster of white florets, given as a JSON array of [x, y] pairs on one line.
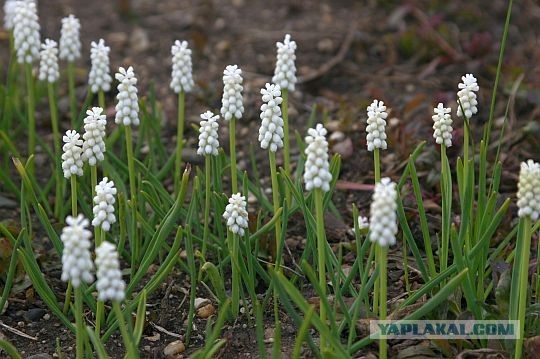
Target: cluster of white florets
[[231, 102], [271, 130], [236, 214], [48, 62], [127, 108], [9, 13], [376, 128], [285, 71], [317, 168], [94, 135], [467, 96], [72, 160], [26, 31], [442, 125], [529, 190], [104, 204], [99, 78], [70, 42], [208, 134], [383, 219], [182, 78], [110, 285], [77, 263]]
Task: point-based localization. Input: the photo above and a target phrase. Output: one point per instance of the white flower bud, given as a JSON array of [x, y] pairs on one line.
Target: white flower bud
[[70, 43], [182, 78], [231, 102], [442, 125], [99, 77], [127, 108], [48, 62], [271, 130], [236, 214], [317, 168], [94, 135], [208, 134], [77, 264], [383, 220], [104, 205], [110, 284], [26, 32], [376, 126], [467, 96], [529, 190], [72, 162], [363, 223], [285, 71]]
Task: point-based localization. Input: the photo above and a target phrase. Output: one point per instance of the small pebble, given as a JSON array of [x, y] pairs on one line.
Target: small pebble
[[174, 348]]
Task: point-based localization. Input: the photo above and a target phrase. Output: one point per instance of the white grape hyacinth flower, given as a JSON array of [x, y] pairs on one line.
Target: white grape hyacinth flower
[[285, 71], [442, 125], [26, 32], [317, 168], [99, 78], [376, 126], [383, 218], [208, 134], [77, 263], [231, 102], [529, 190], [104, 205], [127, 108], [9, 13], [271, 130], [110, 285], [94, 135], [236, 214], [182, 77], [48, 62], [467, 96], [70, 42], [72, 160], [363, 223]]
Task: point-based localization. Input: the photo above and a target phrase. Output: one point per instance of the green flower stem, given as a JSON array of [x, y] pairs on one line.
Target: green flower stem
[[79, 322], [179, 138], [446, 193], [286, 144], [101, 99], [522, 260], [207, 165], [235, 301], [377, 164], [321, 248], [31, 107], [232, 149], [57, 150], [73, 195], [377, 170], [100, 305], [71, 89], [383, 261], [129, 342], [133, 193], [277, 244]]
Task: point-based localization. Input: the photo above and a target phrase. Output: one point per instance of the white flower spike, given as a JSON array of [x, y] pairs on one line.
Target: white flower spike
[[48, 62], [383, 220], [70, 42], [72, 162], [317, 168], [94, 135], [127, 108], [231, 102], [271, 130], [99, 78], [285, 71], [104, 205], [77, 264], [442, 125], [208, 134], [26, 32], [529, 190], [182, 78], [467, 96], [110, 285], [376, 126], [236, 214]]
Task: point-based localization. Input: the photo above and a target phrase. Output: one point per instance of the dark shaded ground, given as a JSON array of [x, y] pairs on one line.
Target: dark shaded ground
[[411, 55]]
